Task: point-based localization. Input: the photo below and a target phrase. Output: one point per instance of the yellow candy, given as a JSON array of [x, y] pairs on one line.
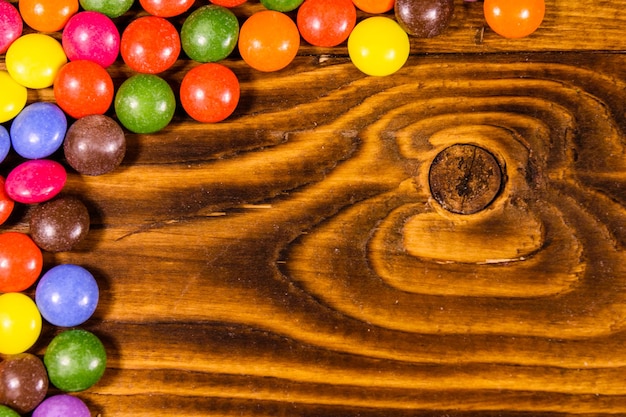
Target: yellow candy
[[20, 323], [13, 97], [33, 60], [378, 46]]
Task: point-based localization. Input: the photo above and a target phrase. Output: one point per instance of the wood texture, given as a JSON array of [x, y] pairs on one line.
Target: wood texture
[[291, 260]]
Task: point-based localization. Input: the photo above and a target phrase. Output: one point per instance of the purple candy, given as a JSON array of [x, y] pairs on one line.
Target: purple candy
[[38, 130], [62, 406], [5, 143]]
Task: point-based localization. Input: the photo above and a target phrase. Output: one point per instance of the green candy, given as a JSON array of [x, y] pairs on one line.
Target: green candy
[[210, 33], [282, 5], [75, 360], [111, 8], [7, 412], [145, 103]]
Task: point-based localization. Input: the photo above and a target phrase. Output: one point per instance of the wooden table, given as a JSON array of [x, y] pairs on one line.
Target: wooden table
[[292, 261]]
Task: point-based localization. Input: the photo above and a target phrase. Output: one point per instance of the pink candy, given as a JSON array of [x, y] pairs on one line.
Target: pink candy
[[35, 181], [11, 25], [92, 36]]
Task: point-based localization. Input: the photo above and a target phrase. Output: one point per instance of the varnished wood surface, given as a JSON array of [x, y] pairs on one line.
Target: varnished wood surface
[[291, 260]]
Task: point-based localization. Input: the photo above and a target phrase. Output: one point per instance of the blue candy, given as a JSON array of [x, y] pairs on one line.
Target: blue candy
[[5, 143], [67, 295], [38, 130]]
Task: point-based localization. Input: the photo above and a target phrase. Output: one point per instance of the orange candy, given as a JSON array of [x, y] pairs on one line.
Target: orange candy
[[374, 6], [269, 50], [514, 19], [47, 16]]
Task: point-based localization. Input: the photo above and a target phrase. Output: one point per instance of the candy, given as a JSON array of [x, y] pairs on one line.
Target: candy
[[282, 5], [326, 23], [33, 60], [23, 382], [145, 103], [166, 8], [269, 50], [92, 36], [6, 204], [210, 33], [11, 25], [424, 18], [47, 16], [83, 88], [150, 44], [209, 92], [7, 412], [38, 131], [20, 323], [35, 181], [67, 295], [21, 262], [514, 19], [60, 224], [75, 360], [62, 405], [13, 97], [94, 145], [228, 3], [110, 8], [374, 6], [378, 46], [5, 143]]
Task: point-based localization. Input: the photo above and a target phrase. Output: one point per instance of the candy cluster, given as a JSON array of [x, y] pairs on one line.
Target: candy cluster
[[94, 143]]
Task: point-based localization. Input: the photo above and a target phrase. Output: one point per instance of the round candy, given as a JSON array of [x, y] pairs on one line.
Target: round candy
[[6, 204], [67, 295], [47, 16], [110, 8], [145, 103], [269, 50], [92, 36], [514, 19], [13, 97], [5, 144], [378, 46], [228, 3], [21, 262], [166, 8], [374, 6], [59, 225], [7, 412], [38, 131], [23, 382], [326, 23], [210, 33], [150, 44], [33, 60], [209, 92], [35, 181], [11, 25], [82, 88], [75, 360], [62, 405], [94, 145], [20, 323], [281, 5], [424, 18]]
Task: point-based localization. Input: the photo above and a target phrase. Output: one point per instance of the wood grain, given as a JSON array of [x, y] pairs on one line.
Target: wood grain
[[291, 261]]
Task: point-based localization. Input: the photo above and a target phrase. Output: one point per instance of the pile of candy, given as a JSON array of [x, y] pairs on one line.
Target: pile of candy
[[94, 144]]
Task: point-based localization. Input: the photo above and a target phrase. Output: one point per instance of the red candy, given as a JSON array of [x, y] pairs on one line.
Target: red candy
[[209, 92], [150, 44], [268, 49], [47, 16], [82, 88], [35, 181], [11, 25], [6, 204], [166, 8], [21, 262], [228, 3], [326, 23]]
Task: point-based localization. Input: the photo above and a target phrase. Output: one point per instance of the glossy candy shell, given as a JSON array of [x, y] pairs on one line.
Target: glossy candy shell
[[21, 262], [34, 60], [210, 92], [13, 97], [92, 36], [83, 88], [150, 44], [210, 33], [11, 25], [38, 131], [62, 405], [23, 382], [20, 323], [35, 181]]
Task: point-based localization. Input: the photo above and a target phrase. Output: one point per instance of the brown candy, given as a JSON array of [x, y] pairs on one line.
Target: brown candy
[[23, 382], [58, 225], [94, 145], [424, 18]]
